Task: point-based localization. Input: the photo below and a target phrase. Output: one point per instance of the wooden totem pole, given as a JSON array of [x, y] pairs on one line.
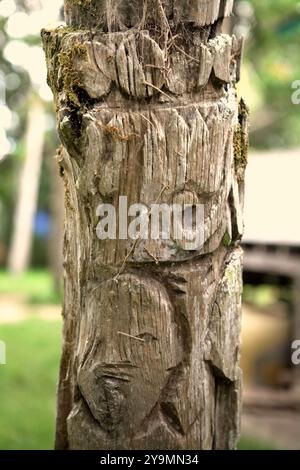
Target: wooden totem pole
[[147, 109]]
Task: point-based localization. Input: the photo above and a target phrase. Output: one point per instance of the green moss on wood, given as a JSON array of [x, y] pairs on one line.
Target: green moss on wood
[[226, 241], [60, 58], [241, 141], [70, 77]]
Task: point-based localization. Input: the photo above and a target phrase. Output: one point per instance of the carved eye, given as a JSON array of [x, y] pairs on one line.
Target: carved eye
[[147, 337], [142, 337]]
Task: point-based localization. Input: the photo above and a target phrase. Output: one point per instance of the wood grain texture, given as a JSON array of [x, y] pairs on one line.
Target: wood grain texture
[[151, 328], [121, 14]]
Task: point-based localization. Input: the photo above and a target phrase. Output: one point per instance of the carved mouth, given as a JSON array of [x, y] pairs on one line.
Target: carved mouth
[[107, 393], [112, 388]]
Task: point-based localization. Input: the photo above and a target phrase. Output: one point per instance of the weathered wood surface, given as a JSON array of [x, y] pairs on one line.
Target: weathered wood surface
[[151, 346], [121, 14]]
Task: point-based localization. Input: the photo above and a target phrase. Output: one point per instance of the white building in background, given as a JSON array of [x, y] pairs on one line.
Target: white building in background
[[272, 206], [272, 226]]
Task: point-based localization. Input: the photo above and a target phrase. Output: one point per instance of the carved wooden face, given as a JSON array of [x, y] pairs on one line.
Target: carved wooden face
[[177, 171], [135, 343], [179, 142]]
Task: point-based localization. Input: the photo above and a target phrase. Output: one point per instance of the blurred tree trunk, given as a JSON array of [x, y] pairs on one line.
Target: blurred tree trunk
[[147, 109], [20, 251]]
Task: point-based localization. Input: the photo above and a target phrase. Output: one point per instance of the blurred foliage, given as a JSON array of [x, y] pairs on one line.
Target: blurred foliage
[[264, 295], [272, 60], [17, 90], [17, 85]]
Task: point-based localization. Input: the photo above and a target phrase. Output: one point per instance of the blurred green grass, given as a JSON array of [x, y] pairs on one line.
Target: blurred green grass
[[28, 384], [250, 443], [36, 287], [28, 380], [28, 387]]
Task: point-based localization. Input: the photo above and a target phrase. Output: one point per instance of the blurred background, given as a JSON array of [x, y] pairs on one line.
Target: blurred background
[[31, 217]]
